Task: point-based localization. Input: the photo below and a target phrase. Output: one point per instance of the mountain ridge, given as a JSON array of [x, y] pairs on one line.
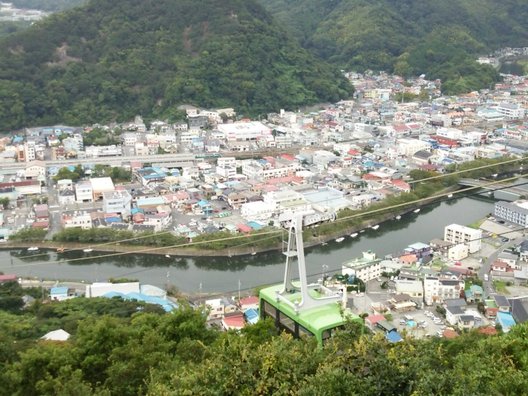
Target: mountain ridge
[[439, 38], [112, 60]]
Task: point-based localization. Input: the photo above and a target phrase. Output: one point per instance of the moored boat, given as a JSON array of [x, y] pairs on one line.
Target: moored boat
[[375, 227], [416, 210], [355, 234], [340, 239]]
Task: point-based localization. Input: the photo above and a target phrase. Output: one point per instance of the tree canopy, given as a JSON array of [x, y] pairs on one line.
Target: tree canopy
[[439, 38], [111, 60]]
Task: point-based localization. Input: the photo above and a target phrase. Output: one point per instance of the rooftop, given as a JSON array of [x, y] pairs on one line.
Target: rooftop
[[315, 319]]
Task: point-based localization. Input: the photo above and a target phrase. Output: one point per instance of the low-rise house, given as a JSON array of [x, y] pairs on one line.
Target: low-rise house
[[233, 321], [61, 293]]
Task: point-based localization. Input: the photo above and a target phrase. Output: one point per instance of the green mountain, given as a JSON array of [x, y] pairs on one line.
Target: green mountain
[[438, 37], [47, 5], [110, 60]]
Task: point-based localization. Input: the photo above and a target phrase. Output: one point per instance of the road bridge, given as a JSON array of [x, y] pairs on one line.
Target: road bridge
[[511, 190]]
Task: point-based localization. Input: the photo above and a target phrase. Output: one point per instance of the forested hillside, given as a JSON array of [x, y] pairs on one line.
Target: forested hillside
[[47, 5], [111, 60], [127, 348], [438, 37]]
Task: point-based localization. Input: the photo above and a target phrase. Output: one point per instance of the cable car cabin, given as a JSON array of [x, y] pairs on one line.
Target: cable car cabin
[[320, 322]]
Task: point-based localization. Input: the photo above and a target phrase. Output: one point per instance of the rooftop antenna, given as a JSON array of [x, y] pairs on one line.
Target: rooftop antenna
[[294, 249]]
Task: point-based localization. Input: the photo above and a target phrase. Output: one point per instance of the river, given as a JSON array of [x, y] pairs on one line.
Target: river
[[210, 274]]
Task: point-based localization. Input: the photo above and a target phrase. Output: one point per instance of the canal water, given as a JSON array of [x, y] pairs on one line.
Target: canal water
[[222, 274]]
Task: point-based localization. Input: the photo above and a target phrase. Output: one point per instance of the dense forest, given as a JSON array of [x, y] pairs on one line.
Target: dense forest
[[111, 60], [127, 348], [47, 5], [440, 38]]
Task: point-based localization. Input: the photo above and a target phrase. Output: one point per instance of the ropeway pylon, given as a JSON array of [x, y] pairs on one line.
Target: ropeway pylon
[[295, 248]]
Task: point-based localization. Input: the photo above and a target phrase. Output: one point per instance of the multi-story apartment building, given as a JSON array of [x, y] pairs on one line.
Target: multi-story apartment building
[[366, 268], [456, 233], [514, 212]]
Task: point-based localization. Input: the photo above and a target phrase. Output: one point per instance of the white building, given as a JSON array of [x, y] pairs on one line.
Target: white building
[[413, 288], [366, 268], [513, 212], [511, 111], [408, 147], [437, 290], [458, 252], [257, 210], [35, 171], [102, 288], [84, 191], [471, 237], [30, 153], [286, 200], [117, 202], [245, 131], [77, 219], [101, 185]]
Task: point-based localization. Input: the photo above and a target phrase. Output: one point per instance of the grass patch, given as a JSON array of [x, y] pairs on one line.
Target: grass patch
[[476, 225], [500, 286]]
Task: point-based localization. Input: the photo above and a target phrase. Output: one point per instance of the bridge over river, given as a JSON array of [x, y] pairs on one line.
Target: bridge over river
[[508, 191]]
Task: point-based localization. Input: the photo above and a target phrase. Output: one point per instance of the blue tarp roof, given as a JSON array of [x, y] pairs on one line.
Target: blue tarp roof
[[393, 336], [165, 304], [251, 315], [506, 320], [59, 290], [254, 225]]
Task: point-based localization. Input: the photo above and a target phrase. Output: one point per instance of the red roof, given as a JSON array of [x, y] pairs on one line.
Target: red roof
[[234, 321], [243, 228], [402, 185], [373, 319], [448, 333], [369, 176], [20, 183], [487, 330], [353, 152], [288, 157], [251, 300], [8, 278], [40, 224]]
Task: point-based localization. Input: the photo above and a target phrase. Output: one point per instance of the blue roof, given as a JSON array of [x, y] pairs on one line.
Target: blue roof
[[254, 225], [393, 336], [203, 202], [59, 290], [251, 315], [506, 320], [165, 304]]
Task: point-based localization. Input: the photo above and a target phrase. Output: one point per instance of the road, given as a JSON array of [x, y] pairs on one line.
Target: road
[[486, 265]]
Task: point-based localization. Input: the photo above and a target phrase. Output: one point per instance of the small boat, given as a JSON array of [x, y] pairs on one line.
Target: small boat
[[355, 234], [340, 239], [449, 195], [253, 253], [375, 227], [167, 255], [324, 244], [360, 231], [87, 250], [33, 249], [398, 217], [60, 250], [416, 210]]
